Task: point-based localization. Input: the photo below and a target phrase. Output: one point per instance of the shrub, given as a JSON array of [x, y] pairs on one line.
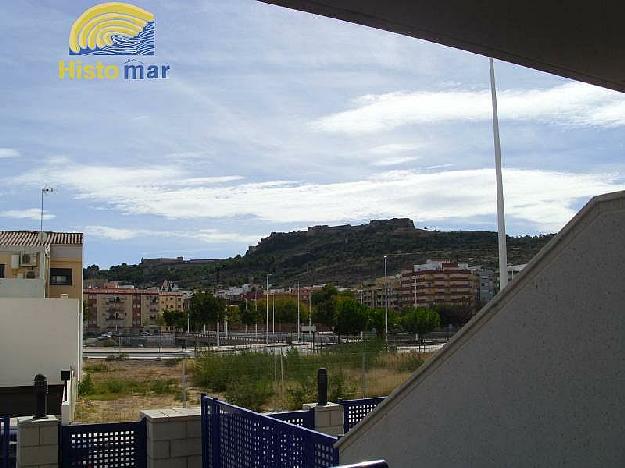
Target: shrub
[[249, 393], [85, 386]]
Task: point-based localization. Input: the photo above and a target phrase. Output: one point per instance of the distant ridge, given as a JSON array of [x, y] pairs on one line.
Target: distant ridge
[[345, 255]]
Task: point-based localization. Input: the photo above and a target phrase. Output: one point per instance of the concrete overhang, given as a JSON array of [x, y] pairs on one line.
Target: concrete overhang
[[579, 40]]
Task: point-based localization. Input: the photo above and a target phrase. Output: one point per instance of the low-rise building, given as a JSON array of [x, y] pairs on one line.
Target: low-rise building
[[41, 319], [41, 264]]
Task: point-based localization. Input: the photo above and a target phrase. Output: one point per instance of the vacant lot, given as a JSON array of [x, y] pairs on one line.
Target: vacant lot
[[118, 390]]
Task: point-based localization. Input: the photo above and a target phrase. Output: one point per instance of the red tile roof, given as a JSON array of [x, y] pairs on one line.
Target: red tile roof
[[32, 238]]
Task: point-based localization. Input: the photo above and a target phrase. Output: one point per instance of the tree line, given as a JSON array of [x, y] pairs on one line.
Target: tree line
[[337, 310]]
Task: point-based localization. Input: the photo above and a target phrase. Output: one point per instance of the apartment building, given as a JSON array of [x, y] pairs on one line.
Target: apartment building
[[129, 308], [376, 293], [37, 264], [439, 282]]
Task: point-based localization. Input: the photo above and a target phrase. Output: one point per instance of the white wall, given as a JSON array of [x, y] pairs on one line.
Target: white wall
[[38, 336], [537, 378], [22, 287]]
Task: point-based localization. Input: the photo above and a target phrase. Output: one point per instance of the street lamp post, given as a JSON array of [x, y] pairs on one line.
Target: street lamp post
[[267, 319], [385, 301], [298, 333]]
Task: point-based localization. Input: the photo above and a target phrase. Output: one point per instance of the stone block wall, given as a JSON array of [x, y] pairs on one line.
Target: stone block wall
[[174, 438]]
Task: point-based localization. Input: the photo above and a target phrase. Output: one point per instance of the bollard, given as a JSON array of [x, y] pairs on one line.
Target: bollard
[[322, 386], [41, 396]]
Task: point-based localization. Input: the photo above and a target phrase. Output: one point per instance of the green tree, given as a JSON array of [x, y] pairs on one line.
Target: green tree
[[324, 301], [175, 319], [351, 316], [206, 308], [377, 320], [420, 320]]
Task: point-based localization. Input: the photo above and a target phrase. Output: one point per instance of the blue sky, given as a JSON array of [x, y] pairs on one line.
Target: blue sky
[[275, 120]]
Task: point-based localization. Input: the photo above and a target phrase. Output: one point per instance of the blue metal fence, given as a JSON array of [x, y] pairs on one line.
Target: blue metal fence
[[355, 411], [234, 437], [5, 422], [103, 445], [303, 418]]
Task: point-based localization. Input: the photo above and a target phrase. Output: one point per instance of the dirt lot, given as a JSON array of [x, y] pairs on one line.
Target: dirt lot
[[121, 389]]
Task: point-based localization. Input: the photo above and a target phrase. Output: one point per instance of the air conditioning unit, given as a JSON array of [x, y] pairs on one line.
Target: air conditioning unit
[[27, 259], [31, 274]]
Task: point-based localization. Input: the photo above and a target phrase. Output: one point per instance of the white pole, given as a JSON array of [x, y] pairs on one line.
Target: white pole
[[267, 320], [298, 337], [273, 314], [310, 312], [501, 222], [385, 302]]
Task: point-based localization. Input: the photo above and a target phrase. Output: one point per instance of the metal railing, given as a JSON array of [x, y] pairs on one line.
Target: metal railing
[[233, 437], [355, 411], [303, 418], [104, 445]]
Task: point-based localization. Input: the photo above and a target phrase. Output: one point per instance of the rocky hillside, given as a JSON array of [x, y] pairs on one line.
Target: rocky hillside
[[344, 255]]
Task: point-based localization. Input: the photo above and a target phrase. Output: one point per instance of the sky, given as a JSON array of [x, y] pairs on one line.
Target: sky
[[275, 120]]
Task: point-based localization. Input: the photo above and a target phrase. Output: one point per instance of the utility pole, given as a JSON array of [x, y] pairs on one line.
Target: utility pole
[[273, 314], [501, 222]]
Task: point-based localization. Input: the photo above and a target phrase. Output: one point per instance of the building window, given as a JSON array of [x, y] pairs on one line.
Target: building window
[[1, 270], [61, 276]]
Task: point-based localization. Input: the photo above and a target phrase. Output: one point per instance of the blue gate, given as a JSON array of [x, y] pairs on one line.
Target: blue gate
[[5, 422], [234, 437], [303, 418], [103, 445], [355, 411]]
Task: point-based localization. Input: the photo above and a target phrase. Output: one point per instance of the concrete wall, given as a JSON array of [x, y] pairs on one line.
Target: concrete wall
[[22, 287], [537, 378], [38, 336], [38, 442], [174, 438]]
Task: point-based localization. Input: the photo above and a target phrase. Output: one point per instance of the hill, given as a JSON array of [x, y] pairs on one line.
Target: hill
[[344, 255]]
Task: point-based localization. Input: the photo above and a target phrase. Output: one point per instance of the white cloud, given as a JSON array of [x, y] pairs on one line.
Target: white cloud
[[567, 104], [31, 213], [6, 153], [546, 199], [393, 148], [204, 235], [393, 161]]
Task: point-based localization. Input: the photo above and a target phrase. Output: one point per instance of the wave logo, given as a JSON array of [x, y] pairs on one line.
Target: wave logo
[[113, 28]]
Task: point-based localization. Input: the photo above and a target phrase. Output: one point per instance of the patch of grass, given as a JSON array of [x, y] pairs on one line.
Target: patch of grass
[[95, 368]]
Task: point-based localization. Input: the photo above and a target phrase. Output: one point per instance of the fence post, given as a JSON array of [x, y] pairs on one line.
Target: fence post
[[141, 445], [40, 387], [214, 433], [322, 386], [37, 441]]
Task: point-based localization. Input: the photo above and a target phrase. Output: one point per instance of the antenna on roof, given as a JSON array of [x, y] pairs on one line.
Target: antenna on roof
[[44, 190]]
